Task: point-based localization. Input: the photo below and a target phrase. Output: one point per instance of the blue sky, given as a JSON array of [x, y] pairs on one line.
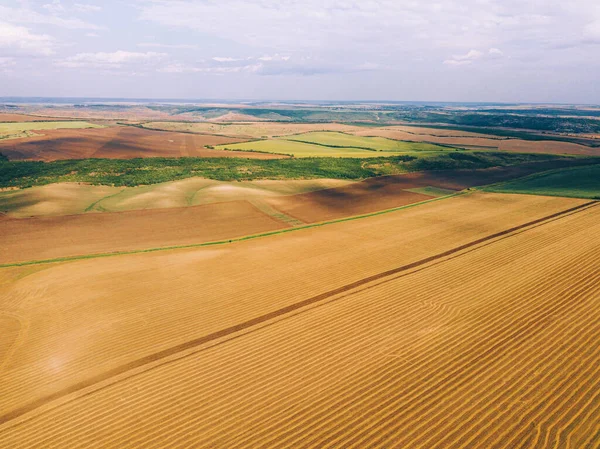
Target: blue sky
[[445, 50]]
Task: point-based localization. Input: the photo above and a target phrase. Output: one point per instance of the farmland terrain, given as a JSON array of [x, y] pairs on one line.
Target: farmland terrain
[[354, 358], [235, 275], [139, 218], [115, 142]]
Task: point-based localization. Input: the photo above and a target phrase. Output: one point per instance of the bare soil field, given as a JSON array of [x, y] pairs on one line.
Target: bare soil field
[[468, 322], [50, 237], [424, 130], [119, 142], [252, 130], [8, 117], [547, 146], [474, 141], [387, 192]]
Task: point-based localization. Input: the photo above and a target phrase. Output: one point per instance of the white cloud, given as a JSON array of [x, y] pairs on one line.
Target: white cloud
[[20, 41], [226, 59], [472, 56], [114, 60], [184, 68], [7, 62], [276, 57], [592, 30], [296, 24], [84, 7], [269, 65], [29, 16], [54, 7], [6, 65], [174, 46], [389, 32], [455, 62], [511, 40], [465, 59]]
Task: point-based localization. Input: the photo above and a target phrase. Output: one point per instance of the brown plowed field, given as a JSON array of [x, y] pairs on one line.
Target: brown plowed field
[[387, 192], [50, 237], [119, 142], [487, 338], [20, 118], [547, 146], [475, 141]]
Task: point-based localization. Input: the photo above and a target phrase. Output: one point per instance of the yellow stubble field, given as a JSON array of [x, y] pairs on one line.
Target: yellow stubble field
[[468, 322]]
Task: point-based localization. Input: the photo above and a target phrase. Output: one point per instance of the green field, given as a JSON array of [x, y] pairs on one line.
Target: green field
[[300, 149], [24, 129], [337, 139], [578, 182]]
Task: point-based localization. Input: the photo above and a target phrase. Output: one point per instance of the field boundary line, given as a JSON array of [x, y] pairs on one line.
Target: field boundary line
[[224, 241], [191, 344], [91, 207]]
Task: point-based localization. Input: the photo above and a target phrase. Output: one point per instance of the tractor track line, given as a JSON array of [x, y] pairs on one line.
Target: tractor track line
[[151, 358]]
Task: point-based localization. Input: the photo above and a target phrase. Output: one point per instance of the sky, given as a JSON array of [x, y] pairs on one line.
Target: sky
[[544, 51]]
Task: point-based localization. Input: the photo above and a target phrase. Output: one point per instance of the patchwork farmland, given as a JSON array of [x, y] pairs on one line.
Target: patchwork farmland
[[197, 282]]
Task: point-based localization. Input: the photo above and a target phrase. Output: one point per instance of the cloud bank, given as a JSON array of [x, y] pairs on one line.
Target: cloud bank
[[394, 49]]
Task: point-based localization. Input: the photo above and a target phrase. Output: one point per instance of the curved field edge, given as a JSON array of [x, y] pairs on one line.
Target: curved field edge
[[572, 182], [77, 198], [133, 172], [339, 139], [221, 242]]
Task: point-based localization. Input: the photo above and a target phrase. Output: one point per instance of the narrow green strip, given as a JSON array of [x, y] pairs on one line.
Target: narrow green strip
[[223, 242]]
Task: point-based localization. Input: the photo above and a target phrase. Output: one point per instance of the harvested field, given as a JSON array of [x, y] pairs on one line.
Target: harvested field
[[251, 130], [196, 191], [77, 198], [53, 199], [20, 130], [451, 325], [387, 192], [119, 142], [51, 237]]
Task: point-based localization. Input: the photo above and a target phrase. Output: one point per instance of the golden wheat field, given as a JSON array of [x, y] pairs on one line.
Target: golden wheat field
[[471, 321]]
